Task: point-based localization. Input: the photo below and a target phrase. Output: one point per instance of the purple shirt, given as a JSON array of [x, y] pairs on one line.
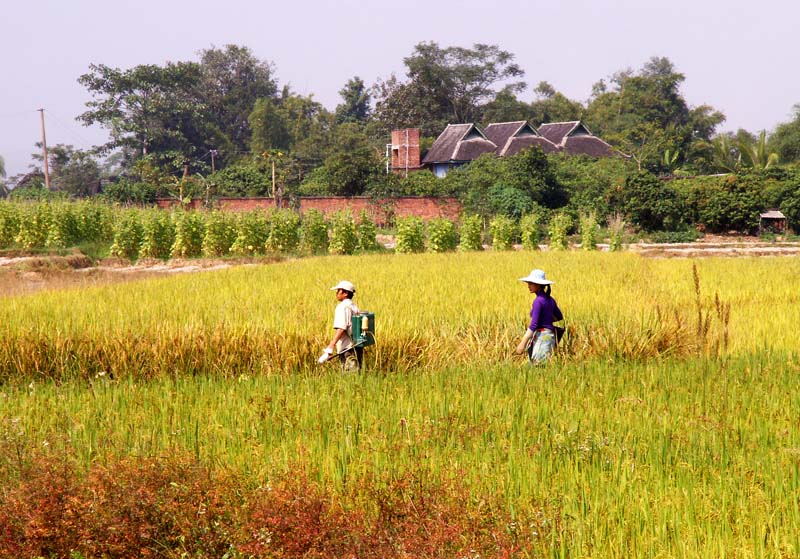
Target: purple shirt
[[544, 312]]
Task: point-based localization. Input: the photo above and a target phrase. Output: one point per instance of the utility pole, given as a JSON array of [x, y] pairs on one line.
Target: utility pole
[[44, 153], [213, 158]]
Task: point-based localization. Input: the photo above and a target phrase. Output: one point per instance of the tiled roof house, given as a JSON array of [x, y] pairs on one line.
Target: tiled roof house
[[513, 137], [457, 145], [573, 138]]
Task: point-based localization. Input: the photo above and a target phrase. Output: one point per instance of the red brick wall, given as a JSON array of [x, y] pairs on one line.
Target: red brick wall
[[380, 211]]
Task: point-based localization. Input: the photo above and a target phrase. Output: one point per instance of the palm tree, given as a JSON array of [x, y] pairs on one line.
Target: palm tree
[[726, 157], [756, 154]]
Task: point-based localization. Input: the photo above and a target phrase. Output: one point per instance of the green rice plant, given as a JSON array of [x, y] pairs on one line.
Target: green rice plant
[[504, 230], [529, 231], [314, 232], [410, 235], [189, 234], [367, 233], [344, 234], [284, 233], [128, 233], [471, 233], [442, 235], [9, 223], [557, 229], [158, 235], [252, 232], [34, 225], [588, 231], [220, 233]]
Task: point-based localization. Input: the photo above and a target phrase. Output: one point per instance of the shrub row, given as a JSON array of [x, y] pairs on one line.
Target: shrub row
[[151, 233], [442, 235], [176, 507]]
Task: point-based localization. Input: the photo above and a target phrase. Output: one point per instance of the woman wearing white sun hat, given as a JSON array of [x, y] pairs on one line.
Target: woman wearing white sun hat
[[540, 338]]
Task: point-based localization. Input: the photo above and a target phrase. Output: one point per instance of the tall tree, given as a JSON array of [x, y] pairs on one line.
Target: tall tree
[[448, 85], [553, 106], [355, 106], [639, 102], [233, 79], [73, 171], [147, 109], [785, 141]]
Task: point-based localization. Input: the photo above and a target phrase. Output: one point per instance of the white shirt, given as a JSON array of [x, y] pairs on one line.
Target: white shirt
[[343, 318]]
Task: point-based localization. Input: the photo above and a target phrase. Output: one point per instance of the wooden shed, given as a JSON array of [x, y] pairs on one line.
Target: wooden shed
[[772, 221]]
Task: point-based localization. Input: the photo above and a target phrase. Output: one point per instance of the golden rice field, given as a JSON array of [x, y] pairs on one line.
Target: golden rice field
[[667, 427]]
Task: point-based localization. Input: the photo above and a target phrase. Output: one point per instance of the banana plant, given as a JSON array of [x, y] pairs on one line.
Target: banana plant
[[756, 154]]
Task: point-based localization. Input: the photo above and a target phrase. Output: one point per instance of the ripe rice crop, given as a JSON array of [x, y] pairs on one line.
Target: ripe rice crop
[[666, 427], [432, 310]]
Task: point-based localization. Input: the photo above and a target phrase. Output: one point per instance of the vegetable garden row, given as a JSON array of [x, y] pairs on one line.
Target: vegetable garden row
[[135, 233]]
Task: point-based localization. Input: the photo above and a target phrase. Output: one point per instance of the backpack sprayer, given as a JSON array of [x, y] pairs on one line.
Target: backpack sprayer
[[362, 334]]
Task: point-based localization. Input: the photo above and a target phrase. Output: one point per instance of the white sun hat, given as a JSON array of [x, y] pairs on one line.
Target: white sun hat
[[537, 277], [346, 285]]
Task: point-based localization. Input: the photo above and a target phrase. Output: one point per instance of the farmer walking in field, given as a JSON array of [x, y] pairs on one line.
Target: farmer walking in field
[[342, 344], [540, 338]]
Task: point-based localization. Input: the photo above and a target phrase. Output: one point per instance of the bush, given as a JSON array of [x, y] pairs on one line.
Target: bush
[[529, 231], [471, 229], [63, 230], [158, 235], [588, 232], [344, 235], [616, 228], [442, 235], [504, 231], [314, 232], [189, 233], [252, 232], [733, 203], [367, 233], [127, 236], [220, 234], [284, 233], [558, 227], [410, 235], [652, 203], [34, 225], [130, 192], [95, 222], [9, 223]]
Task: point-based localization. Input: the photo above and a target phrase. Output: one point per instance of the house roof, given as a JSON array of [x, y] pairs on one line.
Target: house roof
[[574, 138], [513, 137], [459, 142], [772, 214], [557, 131], [587, 145]]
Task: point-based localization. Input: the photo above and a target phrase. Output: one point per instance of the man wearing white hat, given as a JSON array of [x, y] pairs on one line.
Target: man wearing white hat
[[540, 339], [342, 344]]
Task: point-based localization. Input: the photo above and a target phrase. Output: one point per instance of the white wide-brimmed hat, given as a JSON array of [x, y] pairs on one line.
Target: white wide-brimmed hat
[[346, 285], [537, 277]]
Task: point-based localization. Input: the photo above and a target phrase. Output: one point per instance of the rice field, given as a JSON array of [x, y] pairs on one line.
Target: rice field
[[667, 426]]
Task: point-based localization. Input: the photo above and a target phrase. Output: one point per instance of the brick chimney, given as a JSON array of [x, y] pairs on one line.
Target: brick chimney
[[405, 151]]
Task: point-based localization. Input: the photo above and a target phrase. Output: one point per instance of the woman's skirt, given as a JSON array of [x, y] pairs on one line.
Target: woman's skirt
[[541, 346]]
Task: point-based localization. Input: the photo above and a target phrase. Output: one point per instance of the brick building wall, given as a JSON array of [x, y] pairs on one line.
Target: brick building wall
[[405, 150], [382, 212]]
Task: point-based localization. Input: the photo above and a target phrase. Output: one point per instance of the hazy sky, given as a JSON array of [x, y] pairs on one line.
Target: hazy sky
[[739, 56]]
